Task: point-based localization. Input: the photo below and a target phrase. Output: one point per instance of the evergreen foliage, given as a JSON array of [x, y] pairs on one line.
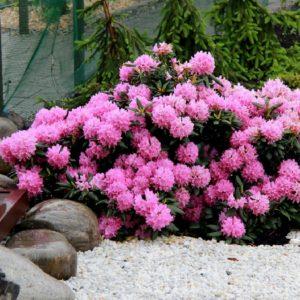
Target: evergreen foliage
[[112, 43], [248, 30], [183, 26]]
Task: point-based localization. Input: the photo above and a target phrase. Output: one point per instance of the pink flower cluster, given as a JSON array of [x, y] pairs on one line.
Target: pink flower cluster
[[160, 170]]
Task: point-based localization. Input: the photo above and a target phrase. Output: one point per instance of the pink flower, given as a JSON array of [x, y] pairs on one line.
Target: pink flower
[[223, 189], [146, 63], [272, 130], [291, 169], [236, 203], [139, 91], [163, 179], [217, 172], [82, 183], [144, 207], [109, 226], [91, 127], [202, 63], [198, 110], [231, 160], [126, 72], [186, 90], [294, 193], [19, 147], [182, 174], [159, 217], [200, 177], [188, 153], [108, 135], [162, 48], [49, 116], [258, 204], [253, 171], [163, 115], [119, 118], [125, 201], [274, 88], [58, 156], [149, 147], [233, 227], [48, 134], [97, 181], [120, 91], [30, 181], [181, 127], [182, 196], [192, 212]]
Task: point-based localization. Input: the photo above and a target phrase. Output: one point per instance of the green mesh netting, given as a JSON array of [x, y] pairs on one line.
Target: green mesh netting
[[39, 56]]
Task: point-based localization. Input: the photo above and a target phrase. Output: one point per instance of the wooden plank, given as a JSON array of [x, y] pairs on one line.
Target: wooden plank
[[13, 206]]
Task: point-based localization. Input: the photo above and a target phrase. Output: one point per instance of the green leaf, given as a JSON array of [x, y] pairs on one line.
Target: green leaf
[[215, 234]]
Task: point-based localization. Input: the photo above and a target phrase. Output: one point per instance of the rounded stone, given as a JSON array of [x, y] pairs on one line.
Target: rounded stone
[[6, 182], [16, 119], [7, 127], [25, 280], [48, 249], [74, 220]]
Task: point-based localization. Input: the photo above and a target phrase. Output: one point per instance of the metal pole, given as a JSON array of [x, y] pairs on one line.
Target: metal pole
[[78, 27], [23, 17], [1, 74]]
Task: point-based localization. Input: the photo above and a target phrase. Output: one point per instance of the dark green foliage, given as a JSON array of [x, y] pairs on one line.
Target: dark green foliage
[[183, 26], [248, 30], [271, 155], [112, 43]]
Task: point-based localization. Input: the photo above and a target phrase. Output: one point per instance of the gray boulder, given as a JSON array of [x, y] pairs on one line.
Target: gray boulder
[[7, 128], [22, 277], [6, 182], [48, 249], [74, 220], [16, 119]]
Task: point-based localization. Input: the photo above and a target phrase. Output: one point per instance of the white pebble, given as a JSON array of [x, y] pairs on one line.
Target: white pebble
[[187, 268]]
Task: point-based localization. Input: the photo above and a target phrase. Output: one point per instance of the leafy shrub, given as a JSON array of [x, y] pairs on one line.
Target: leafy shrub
[[171, 148], [248, 30], [112, 43]]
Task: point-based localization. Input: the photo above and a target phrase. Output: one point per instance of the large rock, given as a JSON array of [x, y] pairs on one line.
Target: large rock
[[6, 182], [74, 220], [48, 249], [7, 128], [16, 119], [8, 290], [29, 281]]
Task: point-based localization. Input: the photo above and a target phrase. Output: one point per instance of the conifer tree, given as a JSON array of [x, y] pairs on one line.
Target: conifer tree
[[247, 28]]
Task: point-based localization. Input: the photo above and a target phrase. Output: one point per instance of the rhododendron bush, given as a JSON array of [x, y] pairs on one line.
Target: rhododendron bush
[[171, 148]]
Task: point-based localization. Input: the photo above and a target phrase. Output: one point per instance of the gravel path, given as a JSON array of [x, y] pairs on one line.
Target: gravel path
[[187, 268]]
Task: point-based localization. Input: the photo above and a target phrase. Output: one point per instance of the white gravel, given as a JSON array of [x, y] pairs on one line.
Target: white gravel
[[187, 268]]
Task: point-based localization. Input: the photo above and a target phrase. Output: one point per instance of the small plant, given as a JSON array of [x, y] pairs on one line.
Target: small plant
[[112, 43]]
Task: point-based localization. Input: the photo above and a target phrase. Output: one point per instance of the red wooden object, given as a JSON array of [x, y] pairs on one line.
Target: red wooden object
[[13, 205]]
